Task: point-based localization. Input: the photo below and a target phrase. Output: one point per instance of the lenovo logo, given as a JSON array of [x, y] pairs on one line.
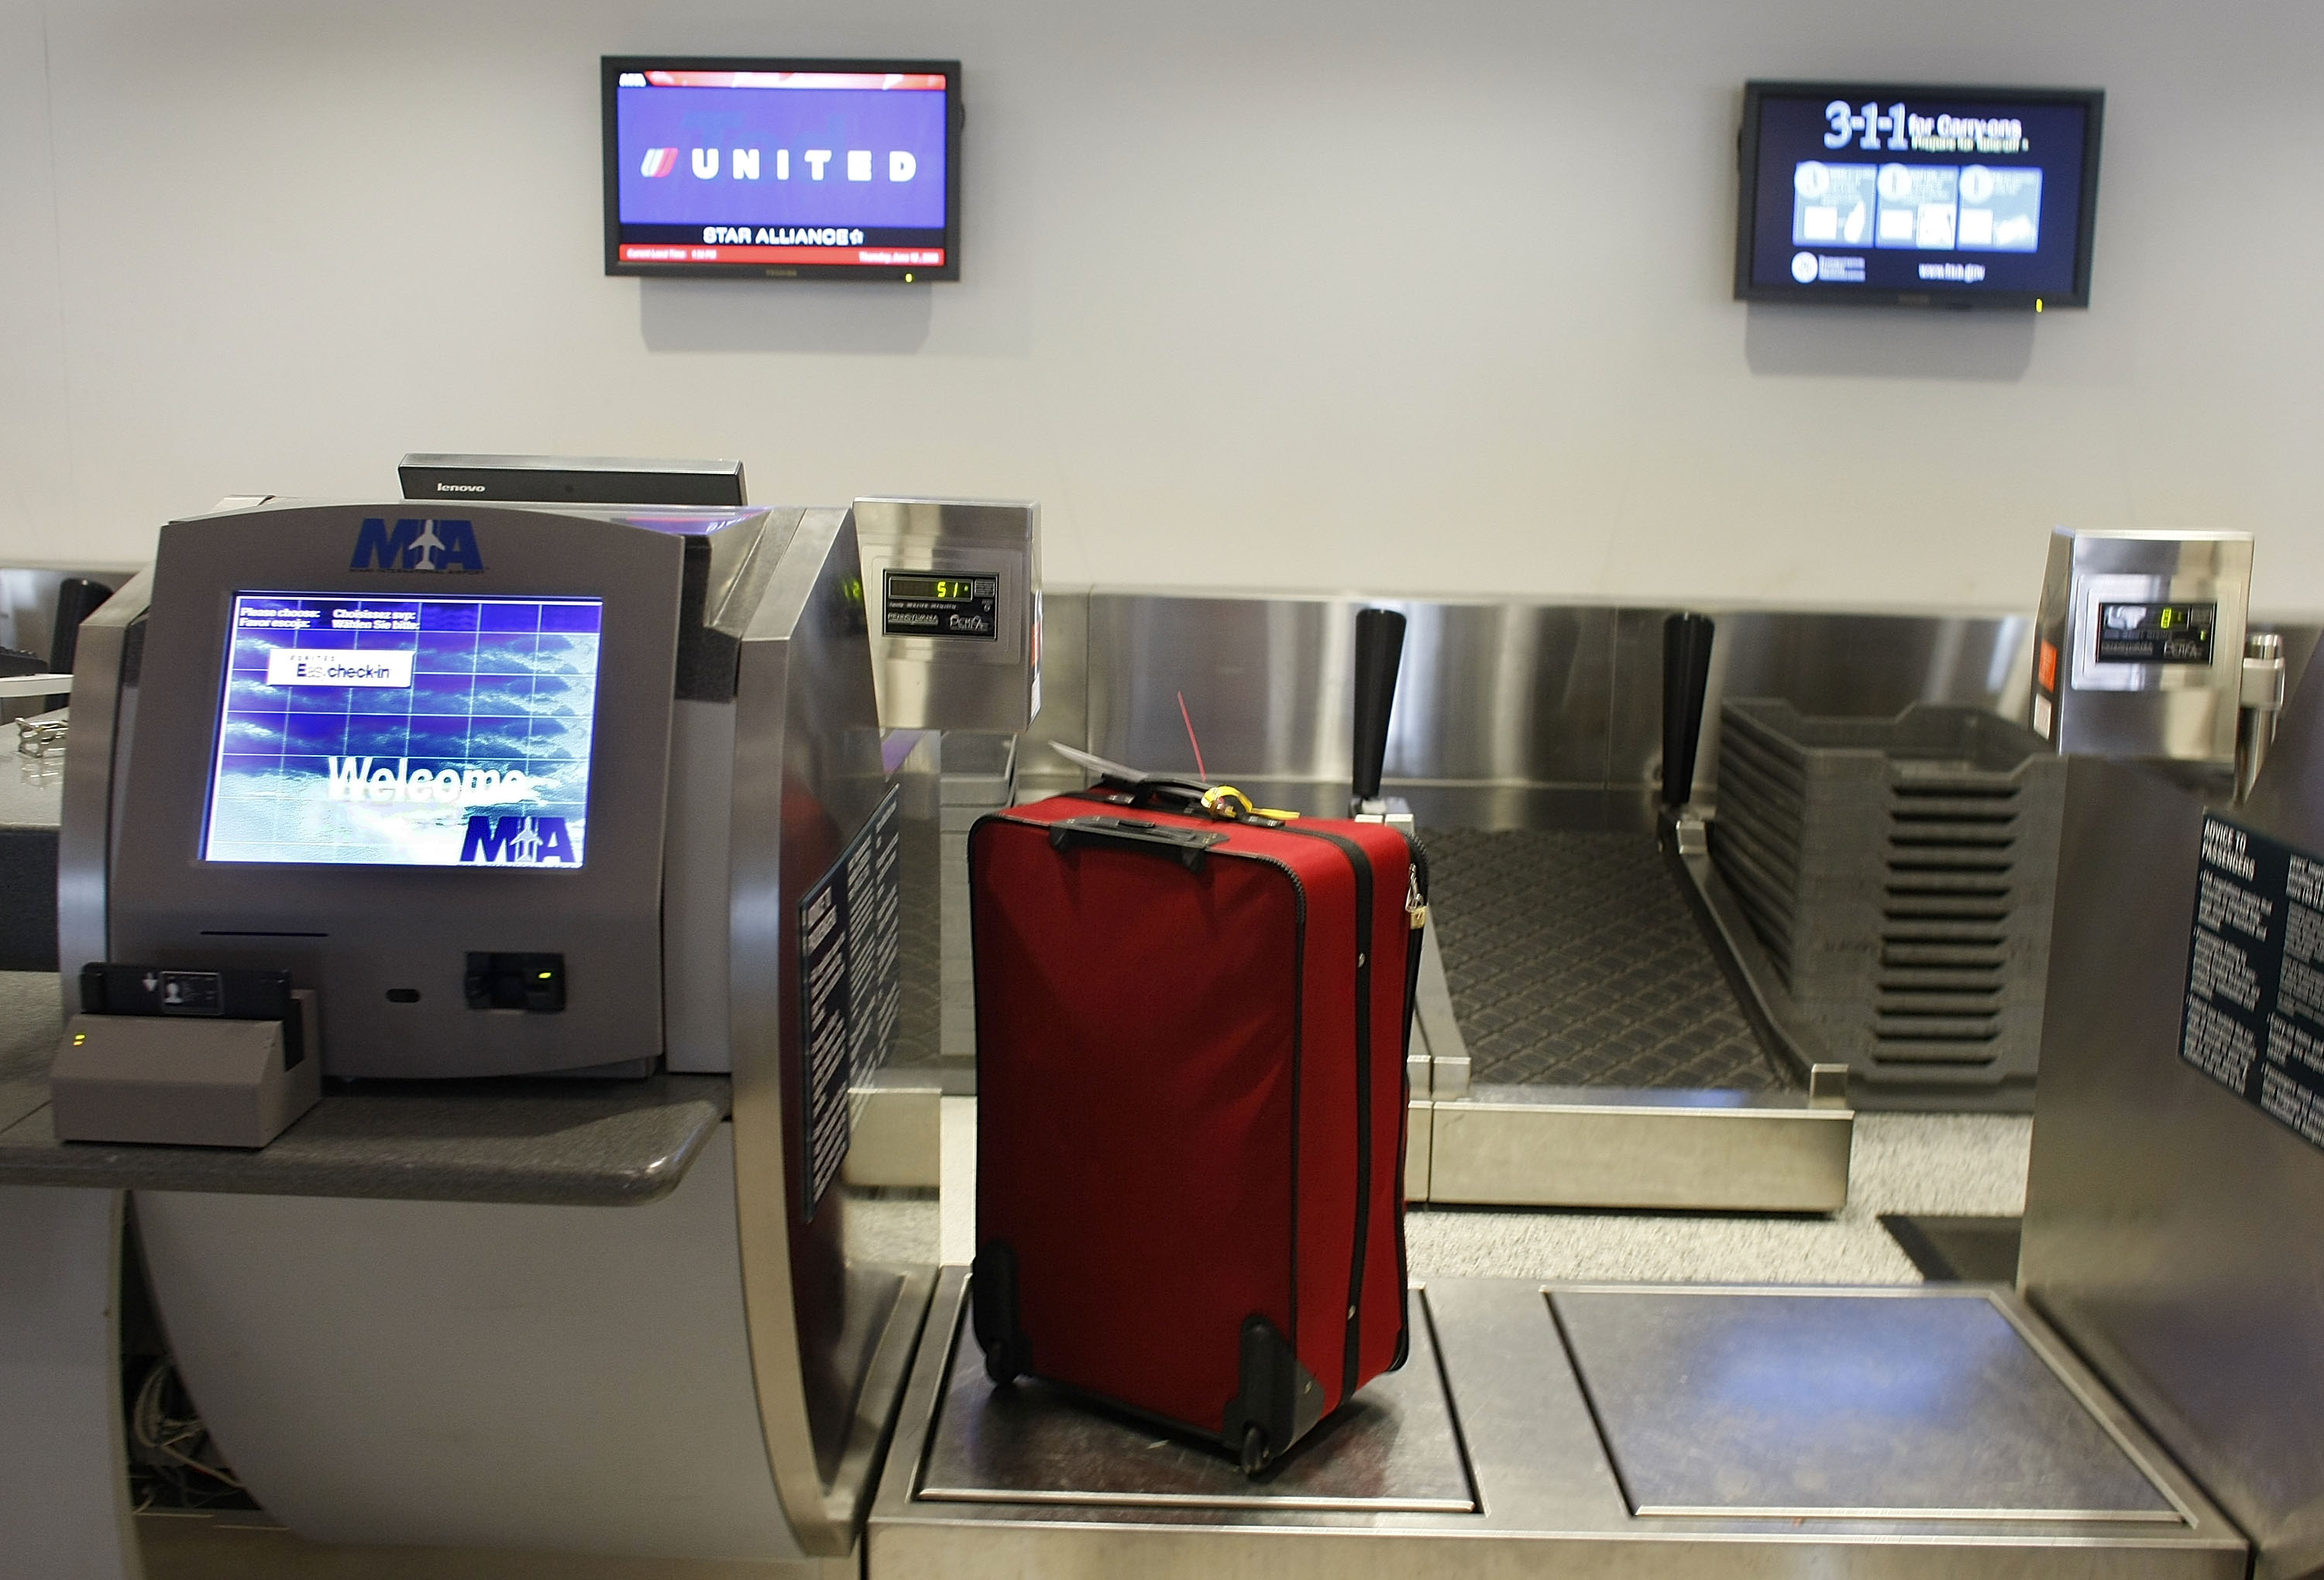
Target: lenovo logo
[[417, 546]]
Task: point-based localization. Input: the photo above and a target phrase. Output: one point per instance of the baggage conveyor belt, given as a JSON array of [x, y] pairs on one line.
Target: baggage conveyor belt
[[1588, 1036], [1680, 1433], [1573, 961]]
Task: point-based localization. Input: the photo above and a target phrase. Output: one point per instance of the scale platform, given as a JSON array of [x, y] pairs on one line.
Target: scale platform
[[1598, 1430]]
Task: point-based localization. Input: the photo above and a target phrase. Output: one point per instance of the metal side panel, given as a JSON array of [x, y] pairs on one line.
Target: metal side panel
[[833, 1318], [477, 1374], [1505, 693], [980, 1483], [1749, 972], [696, 900], [1419, 1149], [103, 705], [2170, 1227], [1704, 1151], [1448, 1051], [64, 1500]]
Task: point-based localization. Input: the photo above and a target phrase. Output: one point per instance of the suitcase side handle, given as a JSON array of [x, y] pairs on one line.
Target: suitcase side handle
[[1185, 846]]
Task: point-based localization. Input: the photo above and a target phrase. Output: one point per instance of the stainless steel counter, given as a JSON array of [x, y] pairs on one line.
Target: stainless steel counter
[[557, 1143], [1751, 1419]]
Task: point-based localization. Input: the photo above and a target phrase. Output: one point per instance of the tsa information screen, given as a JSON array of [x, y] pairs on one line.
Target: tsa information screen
[[1918, 194], [406, 732]]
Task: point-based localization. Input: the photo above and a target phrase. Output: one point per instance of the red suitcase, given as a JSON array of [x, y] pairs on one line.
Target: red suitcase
[[1192, 1101]]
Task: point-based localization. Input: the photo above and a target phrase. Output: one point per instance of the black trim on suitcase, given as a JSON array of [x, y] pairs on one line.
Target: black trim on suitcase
[[1278, 1401], [1361, 863], [1298, 1077], [1419, 855], [993, 1313], [992, 1278]]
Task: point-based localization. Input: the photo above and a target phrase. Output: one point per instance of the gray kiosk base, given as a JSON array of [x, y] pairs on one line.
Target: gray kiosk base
[[1582, 1430]]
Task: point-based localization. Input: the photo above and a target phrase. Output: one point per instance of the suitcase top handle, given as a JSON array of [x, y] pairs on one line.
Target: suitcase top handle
[[1232, 805], [1185, 846]]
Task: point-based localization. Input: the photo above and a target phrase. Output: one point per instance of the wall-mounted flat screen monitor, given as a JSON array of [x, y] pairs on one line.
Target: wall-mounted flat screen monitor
[[794, 169], [405, 731], [1948, 196]]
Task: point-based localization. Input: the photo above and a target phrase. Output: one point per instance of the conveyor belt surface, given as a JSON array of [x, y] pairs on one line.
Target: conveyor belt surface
[[1573, 961]]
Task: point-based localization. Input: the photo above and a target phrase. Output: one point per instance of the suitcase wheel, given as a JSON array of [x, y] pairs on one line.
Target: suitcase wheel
[[1255, 1451], [993, 1312]]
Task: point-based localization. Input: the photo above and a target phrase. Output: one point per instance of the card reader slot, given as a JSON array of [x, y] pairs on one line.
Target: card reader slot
[[532, 982]]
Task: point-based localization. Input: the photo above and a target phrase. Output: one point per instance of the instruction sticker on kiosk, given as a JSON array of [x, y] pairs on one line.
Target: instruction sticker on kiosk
[[851, 987], [405, 731], [2254, 1020]]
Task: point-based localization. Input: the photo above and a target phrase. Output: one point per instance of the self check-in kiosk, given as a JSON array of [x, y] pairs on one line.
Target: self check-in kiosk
[[515, 791], [472, 780]]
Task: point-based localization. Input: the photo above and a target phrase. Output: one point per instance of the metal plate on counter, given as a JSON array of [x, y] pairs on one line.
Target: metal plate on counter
[[1393, 1448], [1813, 1404], [1543, 1494]]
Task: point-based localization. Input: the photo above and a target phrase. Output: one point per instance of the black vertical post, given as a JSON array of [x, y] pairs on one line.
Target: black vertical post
[[78, 598], [1379, 649], [1686, 680]]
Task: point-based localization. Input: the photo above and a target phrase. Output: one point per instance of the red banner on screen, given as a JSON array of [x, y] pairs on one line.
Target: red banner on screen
[[874, 257], [921, 81]]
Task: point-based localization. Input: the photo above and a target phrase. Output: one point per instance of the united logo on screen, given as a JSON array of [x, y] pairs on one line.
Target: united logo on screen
[[406, 732], [754, 163]]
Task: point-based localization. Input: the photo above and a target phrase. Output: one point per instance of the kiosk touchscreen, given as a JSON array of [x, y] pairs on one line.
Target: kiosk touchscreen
[[405, 731], [422, 764]]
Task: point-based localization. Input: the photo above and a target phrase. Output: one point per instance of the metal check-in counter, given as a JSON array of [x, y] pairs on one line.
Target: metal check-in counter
[[2143, 1402], [655, 1317]]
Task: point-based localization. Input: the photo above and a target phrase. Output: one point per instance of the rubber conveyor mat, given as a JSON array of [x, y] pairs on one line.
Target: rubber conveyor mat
[[1575, 961]]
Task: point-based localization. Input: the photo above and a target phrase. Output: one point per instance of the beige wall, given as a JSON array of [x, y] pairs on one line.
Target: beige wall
[[1375, 295]]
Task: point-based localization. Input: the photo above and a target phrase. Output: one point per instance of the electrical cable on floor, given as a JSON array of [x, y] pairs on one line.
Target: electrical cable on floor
[[167, 1445]]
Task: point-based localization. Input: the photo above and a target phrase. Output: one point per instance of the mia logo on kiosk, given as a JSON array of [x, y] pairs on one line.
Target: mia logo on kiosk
[[519, 841], [417, 546]]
